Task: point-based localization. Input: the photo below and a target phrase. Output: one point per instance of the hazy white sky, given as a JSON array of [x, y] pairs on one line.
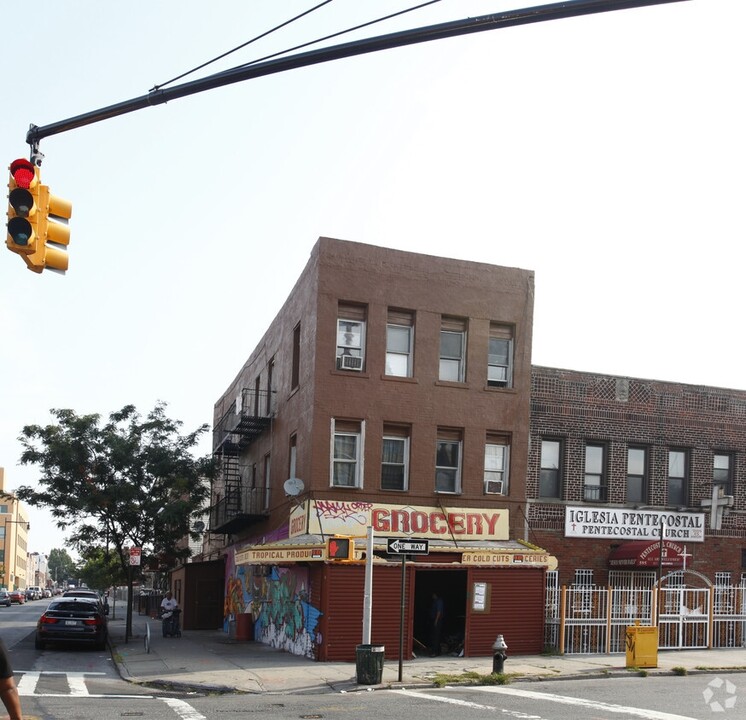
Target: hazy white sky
[[606, 153]]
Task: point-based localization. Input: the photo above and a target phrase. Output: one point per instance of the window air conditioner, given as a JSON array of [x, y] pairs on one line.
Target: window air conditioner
[[493, 487], [349, 362]]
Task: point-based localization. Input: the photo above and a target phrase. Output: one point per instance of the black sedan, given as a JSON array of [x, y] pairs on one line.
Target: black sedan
[[5, 598], [72, 620]]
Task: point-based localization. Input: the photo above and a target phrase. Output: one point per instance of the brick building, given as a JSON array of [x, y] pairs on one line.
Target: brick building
[[612, 457], [391, 391]]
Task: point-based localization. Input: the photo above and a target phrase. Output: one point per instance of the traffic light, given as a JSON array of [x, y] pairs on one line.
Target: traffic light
[[37, 220], [340, 548]]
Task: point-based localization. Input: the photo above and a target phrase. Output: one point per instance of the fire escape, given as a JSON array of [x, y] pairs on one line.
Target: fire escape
[[244, 501]]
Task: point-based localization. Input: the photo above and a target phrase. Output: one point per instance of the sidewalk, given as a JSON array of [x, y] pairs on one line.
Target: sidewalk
[[208, 661]]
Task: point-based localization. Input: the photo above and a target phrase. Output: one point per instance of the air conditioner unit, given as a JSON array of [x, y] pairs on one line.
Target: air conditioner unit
[[349, 362], [493, 487]]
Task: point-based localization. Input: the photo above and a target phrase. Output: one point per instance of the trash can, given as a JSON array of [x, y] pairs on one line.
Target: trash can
[[244, 626], [642, 646], [369, 664]]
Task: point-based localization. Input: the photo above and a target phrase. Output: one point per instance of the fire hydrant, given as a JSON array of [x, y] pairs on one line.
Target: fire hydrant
[[498, 654]]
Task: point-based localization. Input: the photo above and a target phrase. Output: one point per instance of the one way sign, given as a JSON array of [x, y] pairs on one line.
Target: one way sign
[[399, 546]]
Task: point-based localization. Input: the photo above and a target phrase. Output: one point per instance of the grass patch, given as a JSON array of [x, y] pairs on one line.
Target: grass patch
[[471, 678], [678, 670]]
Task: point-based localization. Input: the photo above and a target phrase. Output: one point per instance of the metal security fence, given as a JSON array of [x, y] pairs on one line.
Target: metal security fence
[[592, 619]]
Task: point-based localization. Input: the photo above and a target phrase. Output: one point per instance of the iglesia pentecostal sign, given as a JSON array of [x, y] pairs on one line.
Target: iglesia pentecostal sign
[[338, 517], [630, 524]]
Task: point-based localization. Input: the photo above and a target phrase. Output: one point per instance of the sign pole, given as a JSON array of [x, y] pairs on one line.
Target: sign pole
[[401, 614], [368, 594]]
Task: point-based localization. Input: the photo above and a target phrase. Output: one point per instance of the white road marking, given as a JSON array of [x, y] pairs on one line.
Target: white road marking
[[183, 709], [29, 682], [549, 697]]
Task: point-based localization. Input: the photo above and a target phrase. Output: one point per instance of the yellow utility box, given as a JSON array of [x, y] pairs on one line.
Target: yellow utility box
[[642, 646]]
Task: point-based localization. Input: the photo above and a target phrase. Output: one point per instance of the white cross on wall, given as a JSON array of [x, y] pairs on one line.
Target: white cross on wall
[[717, 504]]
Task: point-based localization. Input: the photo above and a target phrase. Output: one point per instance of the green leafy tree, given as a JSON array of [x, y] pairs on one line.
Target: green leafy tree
[[129, 482], [101, 569], [60, 565]]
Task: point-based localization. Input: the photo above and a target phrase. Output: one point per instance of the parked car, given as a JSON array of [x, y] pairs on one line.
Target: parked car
[[89, 594], [33, 592], [17, 596], [5, 598], [46, 593], [72, 620]]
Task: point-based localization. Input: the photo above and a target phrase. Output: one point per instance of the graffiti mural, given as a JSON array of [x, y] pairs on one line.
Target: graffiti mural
[[283, 616], [278, 600]]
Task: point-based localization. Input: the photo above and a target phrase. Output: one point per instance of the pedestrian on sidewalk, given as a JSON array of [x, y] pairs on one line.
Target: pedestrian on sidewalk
[[8, 691], [168, 605]]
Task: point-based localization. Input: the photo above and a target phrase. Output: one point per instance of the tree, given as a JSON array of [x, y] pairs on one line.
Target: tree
[[126, 483], [60, 565], [100, 569]]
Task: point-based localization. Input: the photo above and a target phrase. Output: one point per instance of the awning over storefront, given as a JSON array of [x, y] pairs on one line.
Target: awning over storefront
[[646, 554], [310, 547]]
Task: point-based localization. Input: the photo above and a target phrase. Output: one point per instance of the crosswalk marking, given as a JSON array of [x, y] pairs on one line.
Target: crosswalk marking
[[28, 684]]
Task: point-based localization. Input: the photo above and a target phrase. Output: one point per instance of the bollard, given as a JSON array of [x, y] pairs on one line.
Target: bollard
[[499, 655]]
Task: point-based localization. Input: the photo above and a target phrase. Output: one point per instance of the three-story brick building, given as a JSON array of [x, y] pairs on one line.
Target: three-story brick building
[[391, 392]]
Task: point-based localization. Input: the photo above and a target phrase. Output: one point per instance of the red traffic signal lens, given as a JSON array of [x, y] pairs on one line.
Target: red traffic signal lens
[[23, 173]]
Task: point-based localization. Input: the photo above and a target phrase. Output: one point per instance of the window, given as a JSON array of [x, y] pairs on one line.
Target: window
[[636, 475], [583, 577], [292, 455], [550, 485], [448, 461], [399, 338], [496, 463], [270, 373], [395, 458], [295, 371], [267, 468], [721, 474], [677, 485], [346, 453], [594, 488], [500, 356], [350, 337], [452, 350]]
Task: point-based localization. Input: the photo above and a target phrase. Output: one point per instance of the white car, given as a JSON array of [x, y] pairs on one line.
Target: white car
[[33, 592]]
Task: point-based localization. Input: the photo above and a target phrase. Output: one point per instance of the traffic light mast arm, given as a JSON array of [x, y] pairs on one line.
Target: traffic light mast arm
[[494, 21]]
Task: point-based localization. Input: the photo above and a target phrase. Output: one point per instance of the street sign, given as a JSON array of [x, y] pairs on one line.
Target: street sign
[[135, 554], [401, 546]]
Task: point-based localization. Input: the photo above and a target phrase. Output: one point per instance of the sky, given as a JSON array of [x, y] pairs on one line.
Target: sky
[[606, 153]]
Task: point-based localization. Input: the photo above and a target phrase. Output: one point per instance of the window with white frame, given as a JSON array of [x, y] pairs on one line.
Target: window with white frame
[[351, 337], [448, 461], [500, 356], [594, 488], [452, 350], [399, 343], [496, 464], [347, 441], [721, 472], [395, 458], [637, 490], [677, 480], [550, 478]]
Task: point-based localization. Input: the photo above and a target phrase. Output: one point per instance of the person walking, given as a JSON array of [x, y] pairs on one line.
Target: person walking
[[8, 690]]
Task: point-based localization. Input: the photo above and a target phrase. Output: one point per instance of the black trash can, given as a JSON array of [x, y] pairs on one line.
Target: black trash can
[[369, 664]]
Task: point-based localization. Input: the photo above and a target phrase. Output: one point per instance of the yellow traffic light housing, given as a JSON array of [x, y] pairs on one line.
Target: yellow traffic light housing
[[37, 220], [341, 549]]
